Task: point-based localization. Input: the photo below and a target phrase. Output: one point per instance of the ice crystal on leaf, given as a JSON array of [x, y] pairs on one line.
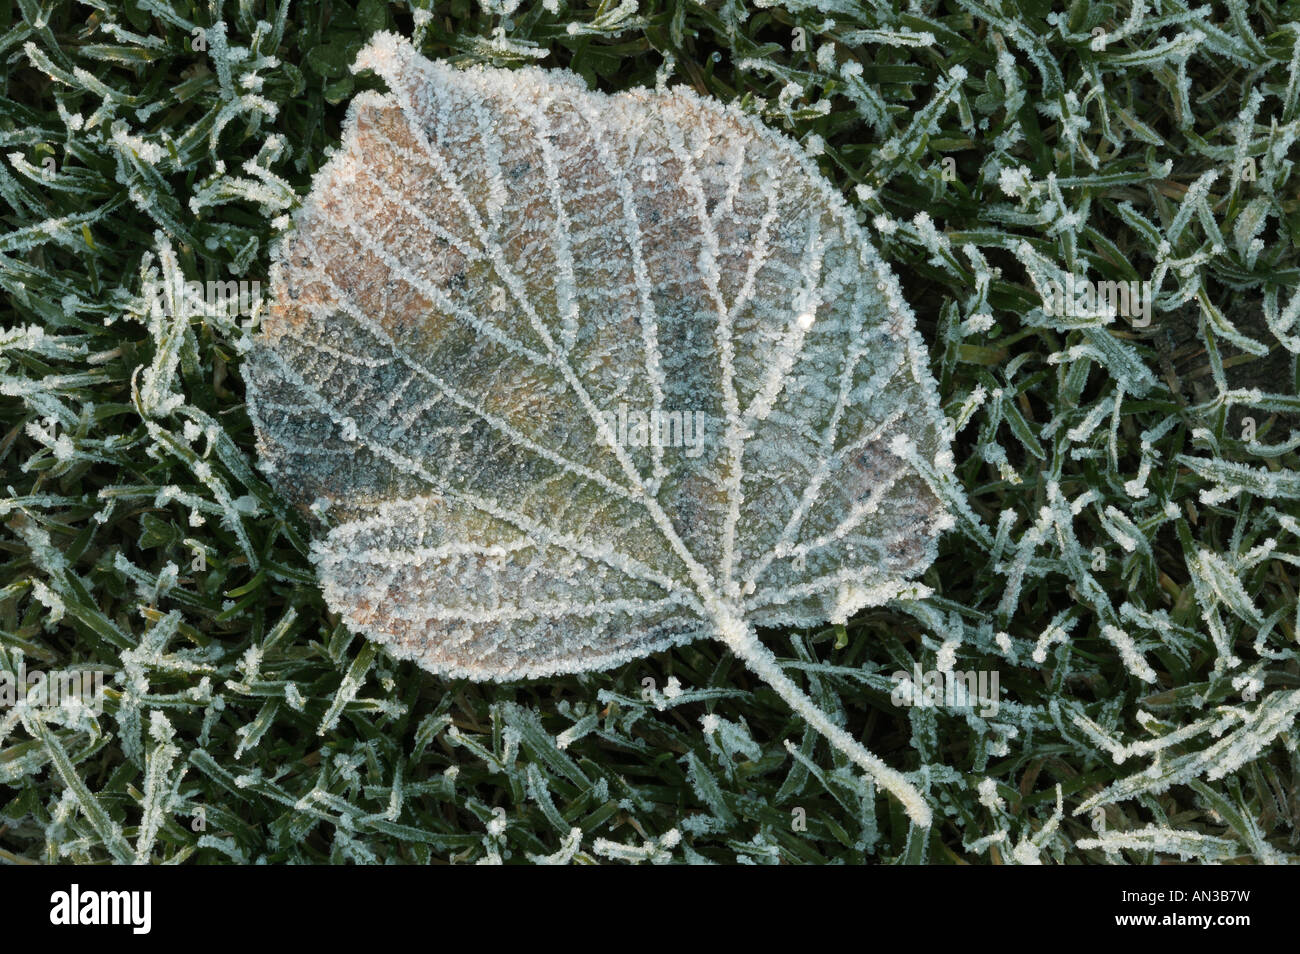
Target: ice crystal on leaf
[[493, 275]]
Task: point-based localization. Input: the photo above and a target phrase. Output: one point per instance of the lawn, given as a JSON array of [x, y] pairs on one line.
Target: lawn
[[1126, 553]]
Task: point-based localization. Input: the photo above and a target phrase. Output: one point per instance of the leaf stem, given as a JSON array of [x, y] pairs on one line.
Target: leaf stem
[[740, 638]]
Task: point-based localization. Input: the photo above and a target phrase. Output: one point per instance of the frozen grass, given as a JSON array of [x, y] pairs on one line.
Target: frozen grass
[[1127, 564]]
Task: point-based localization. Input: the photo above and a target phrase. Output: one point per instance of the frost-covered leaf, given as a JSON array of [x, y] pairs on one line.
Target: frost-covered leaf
[[582, 377]]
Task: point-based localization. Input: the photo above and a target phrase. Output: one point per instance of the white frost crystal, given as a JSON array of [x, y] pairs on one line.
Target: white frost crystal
[[495, 267]]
